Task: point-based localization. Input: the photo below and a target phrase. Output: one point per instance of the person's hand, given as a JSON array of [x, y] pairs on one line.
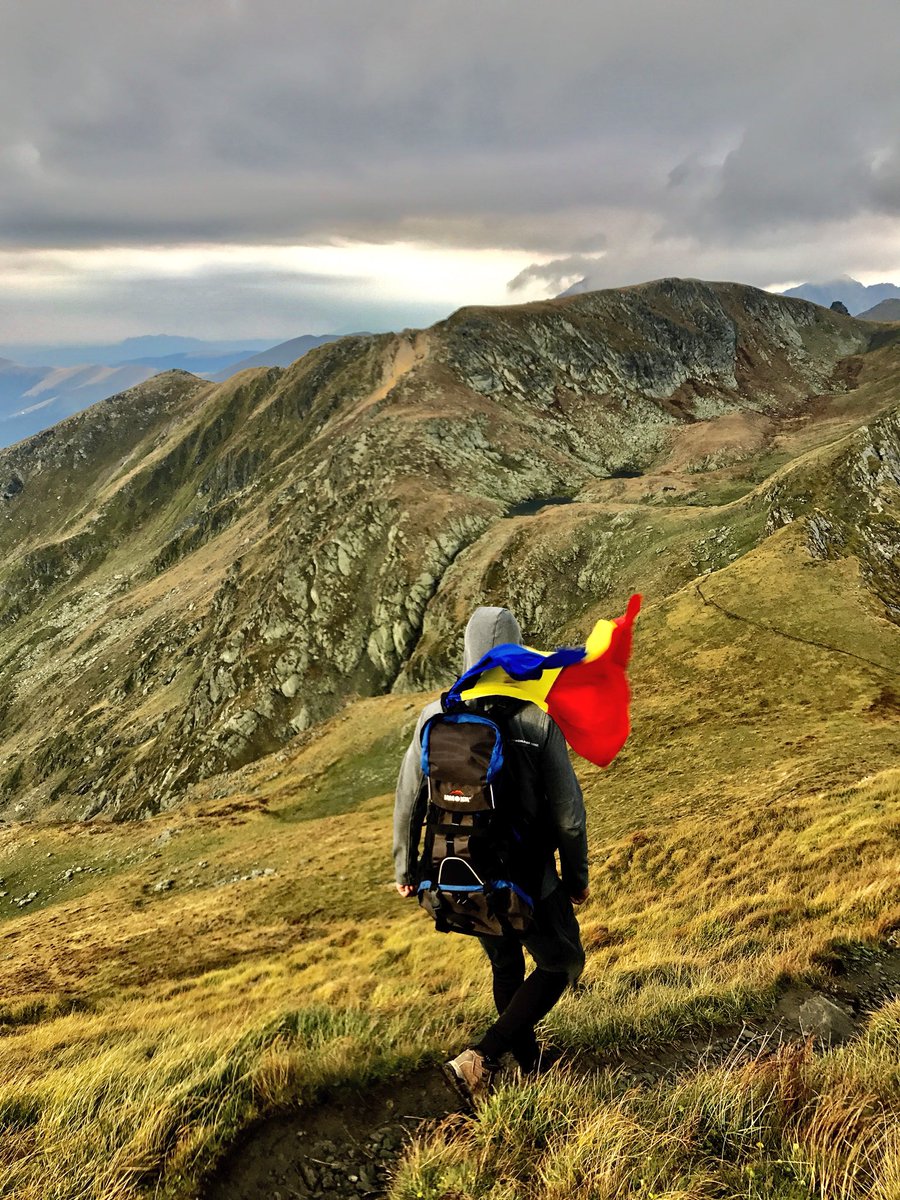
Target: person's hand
[[406, 890], [580, 897]]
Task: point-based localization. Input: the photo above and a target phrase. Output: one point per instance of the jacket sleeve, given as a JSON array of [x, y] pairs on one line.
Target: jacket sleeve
[[565, 806], [409, 811]]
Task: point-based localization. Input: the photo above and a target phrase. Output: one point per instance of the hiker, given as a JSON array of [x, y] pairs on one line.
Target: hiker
[[547, 806]]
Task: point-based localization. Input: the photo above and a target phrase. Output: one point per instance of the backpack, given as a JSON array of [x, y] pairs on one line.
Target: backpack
[[473, 851]]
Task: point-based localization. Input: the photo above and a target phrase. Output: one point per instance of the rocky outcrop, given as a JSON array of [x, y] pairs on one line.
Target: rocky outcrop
[[853, 506]]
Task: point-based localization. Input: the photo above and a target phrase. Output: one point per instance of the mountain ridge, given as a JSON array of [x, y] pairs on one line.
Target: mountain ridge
[[35, 396], [235, 561], [885, 310], [858, 297]]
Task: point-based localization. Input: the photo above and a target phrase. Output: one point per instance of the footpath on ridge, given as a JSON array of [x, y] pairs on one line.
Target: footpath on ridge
[[347, 1145]]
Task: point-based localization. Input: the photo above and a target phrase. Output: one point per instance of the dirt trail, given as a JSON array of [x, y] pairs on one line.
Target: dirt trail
[[346, 1145], [409, 352], [341, 1148]]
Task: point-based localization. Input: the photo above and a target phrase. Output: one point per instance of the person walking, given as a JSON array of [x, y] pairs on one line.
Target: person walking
[[550, 810]]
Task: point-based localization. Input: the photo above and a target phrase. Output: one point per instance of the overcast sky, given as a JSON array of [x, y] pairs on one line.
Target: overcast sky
[[277, 167]]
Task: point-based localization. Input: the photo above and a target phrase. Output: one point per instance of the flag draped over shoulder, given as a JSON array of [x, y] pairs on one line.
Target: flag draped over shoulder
[[583, 688]]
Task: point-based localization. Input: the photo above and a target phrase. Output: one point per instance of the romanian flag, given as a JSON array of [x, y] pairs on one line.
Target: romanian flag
[[584, 688]]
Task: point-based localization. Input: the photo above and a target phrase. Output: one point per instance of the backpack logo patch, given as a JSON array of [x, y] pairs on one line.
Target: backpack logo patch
[[458, 796]]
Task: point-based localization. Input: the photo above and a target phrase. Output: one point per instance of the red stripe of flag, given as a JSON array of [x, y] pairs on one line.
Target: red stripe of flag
[[589, 700]]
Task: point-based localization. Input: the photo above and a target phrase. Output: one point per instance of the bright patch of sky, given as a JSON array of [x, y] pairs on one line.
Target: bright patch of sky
[[247, 290]]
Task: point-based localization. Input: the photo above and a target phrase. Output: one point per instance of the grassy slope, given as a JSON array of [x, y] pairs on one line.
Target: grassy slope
[[749, 824]]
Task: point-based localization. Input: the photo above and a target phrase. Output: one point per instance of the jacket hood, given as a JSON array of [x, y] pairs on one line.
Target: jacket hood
[[489, 627]]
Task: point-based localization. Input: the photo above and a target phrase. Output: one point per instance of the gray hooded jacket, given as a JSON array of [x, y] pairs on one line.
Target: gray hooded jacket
[[548, 791]]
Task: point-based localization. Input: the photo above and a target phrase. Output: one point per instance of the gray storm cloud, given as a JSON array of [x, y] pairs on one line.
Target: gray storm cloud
[[690, 136]]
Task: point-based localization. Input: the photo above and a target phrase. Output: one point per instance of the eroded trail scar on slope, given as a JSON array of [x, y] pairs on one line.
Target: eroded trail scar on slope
[[341, 1148], [346, 1145]]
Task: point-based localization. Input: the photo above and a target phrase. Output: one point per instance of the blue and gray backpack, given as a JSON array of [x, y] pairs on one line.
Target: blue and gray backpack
[[471, 869]]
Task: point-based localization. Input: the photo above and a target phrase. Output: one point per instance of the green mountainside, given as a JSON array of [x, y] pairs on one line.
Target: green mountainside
[[194, 573], [222, 608]]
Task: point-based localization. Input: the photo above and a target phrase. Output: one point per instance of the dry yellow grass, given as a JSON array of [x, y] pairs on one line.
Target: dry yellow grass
[[787, 1126], [752, 822]]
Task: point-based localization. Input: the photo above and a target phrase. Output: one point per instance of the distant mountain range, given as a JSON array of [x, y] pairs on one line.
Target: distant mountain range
[[858, 298], [887, 310], [34, 398], [163, 351], [281, 355], [41, 385]]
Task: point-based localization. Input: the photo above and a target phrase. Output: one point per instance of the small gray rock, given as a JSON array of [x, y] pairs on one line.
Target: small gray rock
[[825, 1020]]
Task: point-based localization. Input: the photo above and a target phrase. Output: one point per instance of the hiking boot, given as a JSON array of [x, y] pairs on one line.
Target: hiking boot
[[471, 1075]]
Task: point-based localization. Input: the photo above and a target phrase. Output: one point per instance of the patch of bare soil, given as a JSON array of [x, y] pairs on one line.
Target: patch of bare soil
[[722, 440], [342, 1148], [347, 1144]]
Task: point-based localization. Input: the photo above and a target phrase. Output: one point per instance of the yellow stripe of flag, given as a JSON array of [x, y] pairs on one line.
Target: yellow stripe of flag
[[496, 682]]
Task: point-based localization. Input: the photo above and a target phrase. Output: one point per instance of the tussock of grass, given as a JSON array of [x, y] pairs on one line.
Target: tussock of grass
[[108, 1108], [787, 1126], [696, 933]]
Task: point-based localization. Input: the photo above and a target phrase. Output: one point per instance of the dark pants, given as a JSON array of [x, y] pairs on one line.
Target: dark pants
[[554, 942]]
